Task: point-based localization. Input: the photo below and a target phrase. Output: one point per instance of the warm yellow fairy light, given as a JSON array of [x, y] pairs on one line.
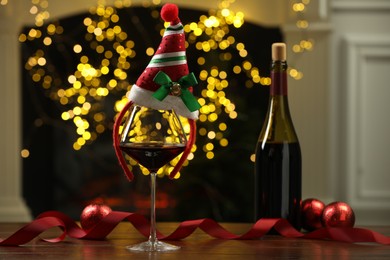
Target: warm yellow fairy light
[[298, 7], [77, 48], [224, 142], [47, 41], [150, 51], [210, 155], [225, 12], [303, 24], [25, 153], [211, 135], [34, 9]]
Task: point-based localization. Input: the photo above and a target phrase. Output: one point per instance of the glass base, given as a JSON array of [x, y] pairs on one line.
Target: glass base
[[149, 246]]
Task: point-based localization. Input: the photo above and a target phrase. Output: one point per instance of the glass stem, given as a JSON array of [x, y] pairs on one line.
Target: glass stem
[[153, 236]]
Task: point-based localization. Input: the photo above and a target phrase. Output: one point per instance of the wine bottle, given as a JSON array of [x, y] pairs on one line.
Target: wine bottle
[[278, 181]]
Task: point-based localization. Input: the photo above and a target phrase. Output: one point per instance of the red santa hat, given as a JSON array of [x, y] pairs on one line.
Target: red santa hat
[[166, 82]]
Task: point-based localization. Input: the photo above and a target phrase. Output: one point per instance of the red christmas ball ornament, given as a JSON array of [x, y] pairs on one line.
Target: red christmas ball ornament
[[92, 214], [311, 212], [338, 214]]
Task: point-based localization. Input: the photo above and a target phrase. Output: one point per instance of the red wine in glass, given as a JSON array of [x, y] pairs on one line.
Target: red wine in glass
[[152, 156]]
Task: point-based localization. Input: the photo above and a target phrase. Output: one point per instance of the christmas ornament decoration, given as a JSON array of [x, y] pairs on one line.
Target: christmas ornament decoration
[[311, 212], [179, 88], [92, 214], [338, 214], [165, 84]]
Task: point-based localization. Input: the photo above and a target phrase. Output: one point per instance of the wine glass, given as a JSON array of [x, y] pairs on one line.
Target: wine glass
[[152, 138]]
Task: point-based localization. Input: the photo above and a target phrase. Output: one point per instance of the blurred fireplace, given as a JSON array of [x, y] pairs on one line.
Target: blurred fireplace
[[56, 177]]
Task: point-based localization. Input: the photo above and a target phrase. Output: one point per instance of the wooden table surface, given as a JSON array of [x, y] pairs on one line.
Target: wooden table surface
[[197, 246]]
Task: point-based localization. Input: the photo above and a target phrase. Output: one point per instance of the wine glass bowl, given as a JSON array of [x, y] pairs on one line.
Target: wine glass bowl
[[152, 138]]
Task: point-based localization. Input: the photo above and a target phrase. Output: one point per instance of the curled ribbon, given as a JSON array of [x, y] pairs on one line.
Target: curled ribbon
[[183, 83], [103, 228]]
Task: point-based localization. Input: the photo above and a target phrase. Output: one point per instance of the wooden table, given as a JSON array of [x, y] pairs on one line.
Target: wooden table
[[197, 246]]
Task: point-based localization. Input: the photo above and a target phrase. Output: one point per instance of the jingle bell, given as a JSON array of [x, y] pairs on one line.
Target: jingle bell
[[176, 89]]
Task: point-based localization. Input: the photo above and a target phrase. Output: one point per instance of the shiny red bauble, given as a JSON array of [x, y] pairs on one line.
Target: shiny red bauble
[[338, 214], [92, 214], [311, 212]]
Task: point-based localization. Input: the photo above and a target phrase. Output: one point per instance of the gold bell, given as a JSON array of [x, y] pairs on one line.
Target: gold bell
[[176, 89]]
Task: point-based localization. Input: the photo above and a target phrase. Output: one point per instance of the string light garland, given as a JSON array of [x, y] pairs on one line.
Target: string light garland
[[305, 44], [215, 30], [104, 61]]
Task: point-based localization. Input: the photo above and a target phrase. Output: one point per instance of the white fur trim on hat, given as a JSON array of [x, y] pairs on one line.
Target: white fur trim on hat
[[144, 97]]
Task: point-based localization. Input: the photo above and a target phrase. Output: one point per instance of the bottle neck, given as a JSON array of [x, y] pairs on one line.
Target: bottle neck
[[278, 78]]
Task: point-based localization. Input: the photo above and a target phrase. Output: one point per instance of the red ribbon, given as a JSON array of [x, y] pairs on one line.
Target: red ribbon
[[104, 227]]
